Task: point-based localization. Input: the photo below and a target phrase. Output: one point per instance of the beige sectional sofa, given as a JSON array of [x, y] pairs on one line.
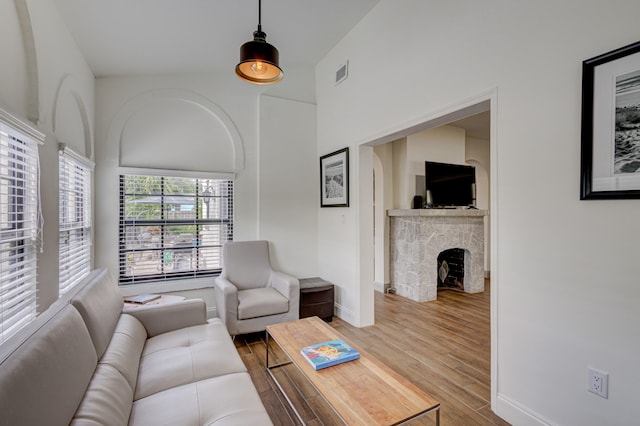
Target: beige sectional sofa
[[85, 362]]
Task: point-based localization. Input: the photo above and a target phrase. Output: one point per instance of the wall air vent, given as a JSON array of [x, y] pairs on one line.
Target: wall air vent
[[342, 73]]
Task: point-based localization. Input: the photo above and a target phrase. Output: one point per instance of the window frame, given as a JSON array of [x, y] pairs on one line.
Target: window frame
[[164, 223], [75, 227], [20, 223]]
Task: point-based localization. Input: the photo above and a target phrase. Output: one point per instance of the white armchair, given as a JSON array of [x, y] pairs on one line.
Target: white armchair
[[249, 294]]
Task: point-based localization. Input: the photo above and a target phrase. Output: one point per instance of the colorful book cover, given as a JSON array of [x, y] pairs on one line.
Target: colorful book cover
[[330, 353]]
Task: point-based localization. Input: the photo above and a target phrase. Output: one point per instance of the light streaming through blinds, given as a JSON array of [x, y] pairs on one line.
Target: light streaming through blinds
[[75, 219], [173, 227], [19, 229]]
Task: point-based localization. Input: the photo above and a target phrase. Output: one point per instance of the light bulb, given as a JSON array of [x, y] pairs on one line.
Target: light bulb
[[259, 68]]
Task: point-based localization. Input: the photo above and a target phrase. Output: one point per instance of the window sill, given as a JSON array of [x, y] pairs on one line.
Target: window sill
[[167, 286]]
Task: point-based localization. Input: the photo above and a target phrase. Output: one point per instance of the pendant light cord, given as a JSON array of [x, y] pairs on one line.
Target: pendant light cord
[[259, 15]]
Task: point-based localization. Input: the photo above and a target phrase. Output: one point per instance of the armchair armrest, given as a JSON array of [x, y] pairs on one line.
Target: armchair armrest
[[226, 295], [158, 319], [288, 286]]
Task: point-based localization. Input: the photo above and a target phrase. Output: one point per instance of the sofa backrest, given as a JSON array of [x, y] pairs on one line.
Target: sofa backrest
[[49, 366], [246, 263], [110, 395], [99, 301]]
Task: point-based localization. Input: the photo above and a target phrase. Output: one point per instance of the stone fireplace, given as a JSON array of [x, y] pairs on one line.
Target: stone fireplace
[[419, 237]]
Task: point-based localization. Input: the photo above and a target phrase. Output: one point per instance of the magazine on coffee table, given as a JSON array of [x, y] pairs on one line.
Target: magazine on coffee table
[[326, 354]]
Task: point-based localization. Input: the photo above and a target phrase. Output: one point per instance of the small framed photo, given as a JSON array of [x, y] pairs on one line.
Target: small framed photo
[[334, 179], [610, 154]]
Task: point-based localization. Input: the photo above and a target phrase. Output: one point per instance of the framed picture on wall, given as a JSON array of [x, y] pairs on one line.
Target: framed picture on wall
[[610, 158], [334, 179]]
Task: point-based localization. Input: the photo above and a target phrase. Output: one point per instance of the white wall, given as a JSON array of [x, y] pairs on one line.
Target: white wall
[[557, 263], [45, 80], [444, 144], [477, 154], [287, 182]]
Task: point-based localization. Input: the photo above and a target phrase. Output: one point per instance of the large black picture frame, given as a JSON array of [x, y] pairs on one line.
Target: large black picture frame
[[610, 141]]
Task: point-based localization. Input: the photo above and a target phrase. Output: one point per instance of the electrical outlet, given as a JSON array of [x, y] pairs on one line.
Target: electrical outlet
[[599, 383]]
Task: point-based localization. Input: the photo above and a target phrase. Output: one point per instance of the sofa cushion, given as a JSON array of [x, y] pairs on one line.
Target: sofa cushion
[[100, 304], [185, 356], [225, 400], [107, 401], [125, 349], [43, 379], [260, 302]]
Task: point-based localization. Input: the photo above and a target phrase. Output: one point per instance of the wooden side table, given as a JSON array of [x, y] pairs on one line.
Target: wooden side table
[[316, 298]]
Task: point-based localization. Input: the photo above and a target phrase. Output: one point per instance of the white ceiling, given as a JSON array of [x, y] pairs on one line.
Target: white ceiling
[[138, 37], [476, 126], [133, 37]]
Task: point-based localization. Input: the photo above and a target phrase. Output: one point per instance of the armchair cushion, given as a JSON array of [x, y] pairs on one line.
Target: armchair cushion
[[260, 302]]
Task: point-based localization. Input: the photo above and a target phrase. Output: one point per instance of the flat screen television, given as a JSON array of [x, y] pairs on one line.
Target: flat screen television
[[449, 185]]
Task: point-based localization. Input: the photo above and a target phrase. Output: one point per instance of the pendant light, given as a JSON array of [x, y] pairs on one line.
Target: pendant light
[[258, 59]]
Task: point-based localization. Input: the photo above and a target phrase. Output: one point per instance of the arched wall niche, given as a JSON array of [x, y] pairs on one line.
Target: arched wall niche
[[176, 130], [31, 62], [70, 120]]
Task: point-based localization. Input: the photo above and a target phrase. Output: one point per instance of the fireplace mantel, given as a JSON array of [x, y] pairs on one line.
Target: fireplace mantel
[[439, 212], [418, 236]]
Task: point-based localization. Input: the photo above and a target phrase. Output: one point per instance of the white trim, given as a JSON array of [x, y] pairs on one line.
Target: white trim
[[465, 108], [22, 126], [84, 161], [175, 173], [516, 414], [493, 238], [69, 86]]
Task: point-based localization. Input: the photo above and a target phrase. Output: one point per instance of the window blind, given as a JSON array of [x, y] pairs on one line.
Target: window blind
[[75, 218], [173, 227], [19, 233]]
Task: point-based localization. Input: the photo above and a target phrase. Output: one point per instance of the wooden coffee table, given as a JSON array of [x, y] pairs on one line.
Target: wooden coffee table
[[364, 391]]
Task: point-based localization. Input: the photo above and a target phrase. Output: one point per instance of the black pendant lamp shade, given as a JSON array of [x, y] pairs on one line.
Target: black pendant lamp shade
[[258, 59]]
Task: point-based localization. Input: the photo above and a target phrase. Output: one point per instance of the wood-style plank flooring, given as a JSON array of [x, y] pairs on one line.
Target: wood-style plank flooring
[[443, 347]]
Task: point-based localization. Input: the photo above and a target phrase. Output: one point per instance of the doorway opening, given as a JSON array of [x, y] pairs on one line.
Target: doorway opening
[[373, 229]]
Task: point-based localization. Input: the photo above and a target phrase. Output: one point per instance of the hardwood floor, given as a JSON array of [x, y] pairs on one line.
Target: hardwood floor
[[443, 347]]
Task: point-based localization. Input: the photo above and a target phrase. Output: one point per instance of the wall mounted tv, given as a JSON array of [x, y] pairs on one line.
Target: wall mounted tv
[[449, 185]]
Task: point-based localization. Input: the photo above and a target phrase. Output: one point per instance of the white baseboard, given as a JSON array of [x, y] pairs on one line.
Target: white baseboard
[[381, 287], [344, 314], [516, 414]]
